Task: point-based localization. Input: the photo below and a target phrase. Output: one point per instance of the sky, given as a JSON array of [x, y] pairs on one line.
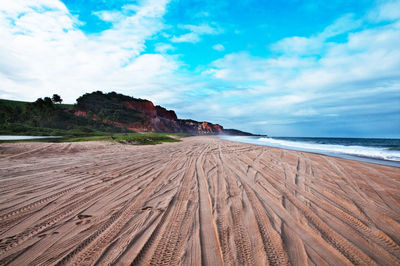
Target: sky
[[283, 68]]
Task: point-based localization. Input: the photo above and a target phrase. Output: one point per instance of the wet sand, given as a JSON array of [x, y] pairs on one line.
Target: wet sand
[[202, 201]]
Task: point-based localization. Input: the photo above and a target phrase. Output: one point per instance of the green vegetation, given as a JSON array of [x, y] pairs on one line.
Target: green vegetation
[[56, 98], [11, 104], [133, 139], [145, 139], [44, 118], [109, 106], [49, 117]]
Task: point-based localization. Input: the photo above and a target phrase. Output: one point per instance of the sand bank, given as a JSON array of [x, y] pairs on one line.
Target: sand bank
[[201, 201]]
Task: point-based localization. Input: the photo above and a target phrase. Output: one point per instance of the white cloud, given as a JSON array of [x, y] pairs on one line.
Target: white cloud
[[388, 10], [201, 29], [195, 33], [42, 51], [242, 67], [188, 37], [343, 24], [315, 76], [305, 112], [219, 47], [164, 47], [298, 45], [109, 16]]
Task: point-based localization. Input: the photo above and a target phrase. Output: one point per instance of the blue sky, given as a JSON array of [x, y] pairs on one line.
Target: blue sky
[[284, 68]]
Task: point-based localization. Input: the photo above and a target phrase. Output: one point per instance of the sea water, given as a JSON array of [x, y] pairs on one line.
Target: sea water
[[6, 137], [382, 151]]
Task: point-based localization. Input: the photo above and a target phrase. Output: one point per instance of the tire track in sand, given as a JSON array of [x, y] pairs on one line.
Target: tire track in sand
[[172, 203], [210, 248], [272, 241], [93, 250]]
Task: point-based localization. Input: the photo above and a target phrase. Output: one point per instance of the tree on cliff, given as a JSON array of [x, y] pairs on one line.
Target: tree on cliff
[[110, 106], [42, 104], [56, 98]]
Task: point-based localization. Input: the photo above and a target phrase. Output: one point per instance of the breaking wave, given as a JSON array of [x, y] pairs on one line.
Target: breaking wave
[[362, 151]]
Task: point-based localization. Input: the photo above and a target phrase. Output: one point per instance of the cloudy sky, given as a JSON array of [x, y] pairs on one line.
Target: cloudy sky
[[284, 68]]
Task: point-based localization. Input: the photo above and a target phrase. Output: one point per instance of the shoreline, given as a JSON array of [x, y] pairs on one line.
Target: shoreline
[[201, 200], [359, 158]]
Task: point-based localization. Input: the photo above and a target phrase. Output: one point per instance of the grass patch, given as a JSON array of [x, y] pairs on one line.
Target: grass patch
[[19, 129], [145, 139], [133, 139], [87, 138], [12, 103]]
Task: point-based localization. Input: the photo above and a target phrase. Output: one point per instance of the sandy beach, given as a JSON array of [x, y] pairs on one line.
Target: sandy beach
[[202, 201]]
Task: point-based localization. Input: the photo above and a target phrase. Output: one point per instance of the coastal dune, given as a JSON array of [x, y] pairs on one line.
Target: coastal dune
[[202, 201]]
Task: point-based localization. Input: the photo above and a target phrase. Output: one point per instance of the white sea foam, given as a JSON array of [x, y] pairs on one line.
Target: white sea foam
[[359, 151], [371, 152]]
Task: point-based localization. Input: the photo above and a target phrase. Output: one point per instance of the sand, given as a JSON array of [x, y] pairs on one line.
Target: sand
[[201, 201]]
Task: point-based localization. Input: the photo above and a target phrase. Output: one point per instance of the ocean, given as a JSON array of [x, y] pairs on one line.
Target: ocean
[[7, 137], [381, 151]]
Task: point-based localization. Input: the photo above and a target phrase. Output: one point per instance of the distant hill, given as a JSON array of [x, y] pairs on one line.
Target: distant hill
[[235, 132], [97, 113]]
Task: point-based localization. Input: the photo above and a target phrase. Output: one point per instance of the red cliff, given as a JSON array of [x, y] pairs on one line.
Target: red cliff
[[143, 106], [200, 128], [139, 115], [164, 113]]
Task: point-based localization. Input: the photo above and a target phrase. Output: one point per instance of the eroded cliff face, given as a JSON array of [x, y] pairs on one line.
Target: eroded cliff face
[[157, 119], [164, 113], [163, 120], [137, 127], [145, 107], [200, 128]]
